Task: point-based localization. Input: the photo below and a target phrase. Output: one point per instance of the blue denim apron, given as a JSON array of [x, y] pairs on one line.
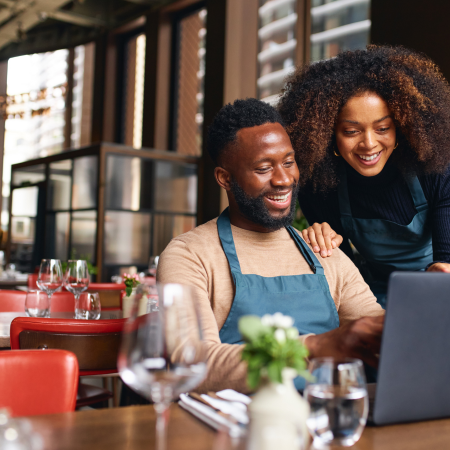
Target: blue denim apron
[[306, 298], [384, 245]]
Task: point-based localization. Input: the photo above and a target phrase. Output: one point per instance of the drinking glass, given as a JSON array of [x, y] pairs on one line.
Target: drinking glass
[[50, 278], [89, 307], [76, 280], [338, 399], [37, 304], [162, 353]]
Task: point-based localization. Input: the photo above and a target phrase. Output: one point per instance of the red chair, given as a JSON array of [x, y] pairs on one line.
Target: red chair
[[14, 301], [32, 280], [95, 343], [38, 382], [109, 294]]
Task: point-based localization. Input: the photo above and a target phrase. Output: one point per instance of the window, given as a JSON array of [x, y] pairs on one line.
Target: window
[[189, 58], [277, 46], [338, 25]]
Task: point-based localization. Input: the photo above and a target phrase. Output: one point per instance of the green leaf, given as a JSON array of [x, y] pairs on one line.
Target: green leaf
[[251, 328], [128, 290], [253, 378], [274, 371]]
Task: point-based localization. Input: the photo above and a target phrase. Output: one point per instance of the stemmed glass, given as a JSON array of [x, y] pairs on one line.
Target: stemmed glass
[[162, 353], [76, 280], [50, 278]]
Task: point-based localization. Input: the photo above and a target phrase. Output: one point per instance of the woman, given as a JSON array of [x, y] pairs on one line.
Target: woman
[[371, 130]]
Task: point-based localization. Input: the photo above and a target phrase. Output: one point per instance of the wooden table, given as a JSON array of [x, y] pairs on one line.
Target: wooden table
[[7, 317], [133, 428]]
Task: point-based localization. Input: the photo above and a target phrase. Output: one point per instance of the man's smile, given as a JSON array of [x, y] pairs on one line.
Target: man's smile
[[280, 200]]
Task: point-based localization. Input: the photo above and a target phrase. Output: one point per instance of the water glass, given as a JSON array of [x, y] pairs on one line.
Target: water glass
[[37, 304], [162, 353], [50, 277], [338, 399], [89, 307]]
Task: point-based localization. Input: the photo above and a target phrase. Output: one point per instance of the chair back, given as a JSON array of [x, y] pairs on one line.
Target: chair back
[[94, 342], [109, 294], [38, 382], [32, 281], [14, 301]]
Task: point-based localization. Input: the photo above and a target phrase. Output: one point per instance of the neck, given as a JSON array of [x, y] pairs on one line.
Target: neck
[[239, 220]]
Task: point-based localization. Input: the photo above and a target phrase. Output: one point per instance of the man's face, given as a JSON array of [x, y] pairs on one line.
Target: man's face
[[264, 175]]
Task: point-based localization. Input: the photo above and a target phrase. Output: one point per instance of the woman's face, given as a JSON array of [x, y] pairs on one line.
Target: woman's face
[[365, 133]]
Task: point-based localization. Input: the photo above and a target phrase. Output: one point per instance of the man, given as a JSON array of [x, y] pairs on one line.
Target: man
[[249, 261]]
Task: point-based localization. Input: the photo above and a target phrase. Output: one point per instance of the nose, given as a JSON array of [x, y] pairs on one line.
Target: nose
[[369, 142], [282, 177]]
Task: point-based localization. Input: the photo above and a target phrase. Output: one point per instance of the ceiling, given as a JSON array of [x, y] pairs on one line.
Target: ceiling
[[32, 26]]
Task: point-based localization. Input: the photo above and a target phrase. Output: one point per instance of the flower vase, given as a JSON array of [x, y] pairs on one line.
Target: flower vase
[[278, 415], [127, 304]]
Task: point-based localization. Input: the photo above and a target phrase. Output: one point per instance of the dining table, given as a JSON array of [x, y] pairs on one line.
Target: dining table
[[7, 317], [133, 428]]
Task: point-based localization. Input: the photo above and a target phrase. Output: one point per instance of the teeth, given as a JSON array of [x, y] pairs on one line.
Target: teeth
[[278, 198], [369, 158]]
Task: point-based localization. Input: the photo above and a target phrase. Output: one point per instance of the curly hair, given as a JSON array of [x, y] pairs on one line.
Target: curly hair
[[413, 87], [233, 117]]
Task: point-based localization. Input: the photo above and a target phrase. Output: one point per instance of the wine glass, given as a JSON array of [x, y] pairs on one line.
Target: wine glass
[[162, 353], [339, 403], [50, 278], [76, 280]]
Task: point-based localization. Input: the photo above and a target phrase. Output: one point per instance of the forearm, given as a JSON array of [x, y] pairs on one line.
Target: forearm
[[226, 370]]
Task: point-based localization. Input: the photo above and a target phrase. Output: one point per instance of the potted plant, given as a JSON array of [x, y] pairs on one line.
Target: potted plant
[[275, 356]]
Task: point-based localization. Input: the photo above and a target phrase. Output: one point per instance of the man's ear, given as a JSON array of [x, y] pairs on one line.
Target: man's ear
[[223, 178]]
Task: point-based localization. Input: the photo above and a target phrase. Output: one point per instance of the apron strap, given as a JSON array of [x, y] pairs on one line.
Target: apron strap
[[226, 238], [307, 253], [419, 199]]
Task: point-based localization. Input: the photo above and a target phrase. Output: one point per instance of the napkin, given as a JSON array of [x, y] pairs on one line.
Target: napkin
[[235, 408]]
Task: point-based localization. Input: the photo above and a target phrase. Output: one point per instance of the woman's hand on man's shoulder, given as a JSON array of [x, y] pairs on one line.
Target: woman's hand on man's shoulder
[[323, 238]]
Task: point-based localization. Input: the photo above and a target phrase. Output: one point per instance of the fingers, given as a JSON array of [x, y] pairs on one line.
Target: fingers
[[305, 236], [439, 267], [312, 239], [322, 236], [336, 239]]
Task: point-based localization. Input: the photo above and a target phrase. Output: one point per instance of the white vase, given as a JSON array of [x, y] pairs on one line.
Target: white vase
[[278, 415], [127, 304]]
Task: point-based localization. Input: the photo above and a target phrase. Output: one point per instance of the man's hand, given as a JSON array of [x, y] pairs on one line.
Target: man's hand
[[322, 238], [439, 267], [357, 339]]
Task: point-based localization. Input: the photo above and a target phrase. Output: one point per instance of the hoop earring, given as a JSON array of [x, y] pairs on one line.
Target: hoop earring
[[396, 145], [336, 154]]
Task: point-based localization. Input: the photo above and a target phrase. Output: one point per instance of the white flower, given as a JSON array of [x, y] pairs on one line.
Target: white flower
[[267, 320], [280, 335], [292, 333], [281, 321]]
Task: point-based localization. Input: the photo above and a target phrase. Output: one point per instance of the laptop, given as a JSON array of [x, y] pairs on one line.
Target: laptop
[[414, 371]]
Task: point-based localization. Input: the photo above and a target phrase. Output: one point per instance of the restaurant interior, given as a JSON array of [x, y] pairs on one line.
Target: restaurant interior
[[105, 110]]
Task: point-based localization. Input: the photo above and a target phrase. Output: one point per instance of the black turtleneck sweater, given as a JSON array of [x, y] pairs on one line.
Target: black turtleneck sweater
[[384, 196]]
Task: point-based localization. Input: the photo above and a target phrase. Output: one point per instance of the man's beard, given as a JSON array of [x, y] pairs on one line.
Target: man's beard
[[255, 209]]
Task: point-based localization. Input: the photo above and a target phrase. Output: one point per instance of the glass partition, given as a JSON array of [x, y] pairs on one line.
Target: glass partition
[[84, 189], [60, 185], [127, 238], [84, 230]]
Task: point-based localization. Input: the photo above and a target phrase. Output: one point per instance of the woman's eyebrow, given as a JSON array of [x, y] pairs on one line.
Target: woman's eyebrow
[[379, 120]]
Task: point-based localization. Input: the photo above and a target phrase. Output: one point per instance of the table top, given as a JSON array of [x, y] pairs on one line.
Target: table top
[[7, 317], [133, 428]]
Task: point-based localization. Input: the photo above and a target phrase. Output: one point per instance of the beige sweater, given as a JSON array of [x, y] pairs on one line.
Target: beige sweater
[[197, 259]]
